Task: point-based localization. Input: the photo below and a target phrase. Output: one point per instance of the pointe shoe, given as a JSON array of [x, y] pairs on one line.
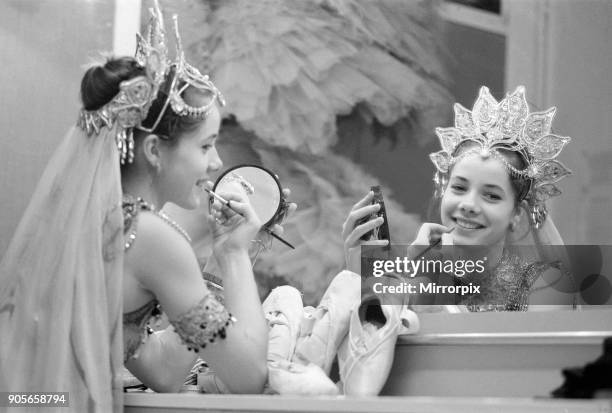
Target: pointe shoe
[[329, 322], [283, 309], [208, 382], [284, 312], [285, 377], [366, 355]]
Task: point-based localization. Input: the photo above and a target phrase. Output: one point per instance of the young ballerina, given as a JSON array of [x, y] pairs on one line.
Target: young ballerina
[[93, 260], [497, 168]]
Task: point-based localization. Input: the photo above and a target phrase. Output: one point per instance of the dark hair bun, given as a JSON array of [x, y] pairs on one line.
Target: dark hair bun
[[101, 83]]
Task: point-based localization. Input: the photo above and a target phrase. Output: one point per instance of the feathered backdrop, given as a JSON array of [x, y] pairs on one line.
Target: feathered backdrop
[[288, 69]]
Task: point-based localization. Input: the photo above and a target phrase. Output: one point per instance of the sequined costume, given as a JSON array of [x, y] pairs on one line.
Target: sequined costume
[[211, 383], [136, 326], [200, 325], [506, 288]]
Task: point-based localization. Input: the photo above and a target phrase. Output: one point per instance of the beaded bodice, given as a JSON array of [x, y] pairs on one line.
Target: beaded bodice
[[506, 287], [136, 327], [136, 323]]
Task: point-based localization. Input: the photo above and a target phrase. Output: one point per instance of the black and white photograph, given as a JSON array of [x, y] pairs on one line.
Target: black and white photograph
[[306, 206]]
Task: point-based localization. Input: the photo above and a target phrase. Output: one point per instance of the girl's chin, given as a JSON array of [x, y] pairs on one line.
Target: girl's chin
[[192, 203], [459, 239], [187, 203], [476, 242], [194, 200]]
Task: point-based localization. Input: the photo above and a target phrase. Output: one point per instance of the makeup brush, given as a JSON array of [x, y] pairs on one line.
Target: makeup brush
[[434, 245], [228, 204]]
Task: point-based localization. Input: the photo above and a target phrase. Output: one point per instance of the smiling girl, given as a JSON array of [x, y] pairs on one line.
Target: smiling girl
[[497, 168]]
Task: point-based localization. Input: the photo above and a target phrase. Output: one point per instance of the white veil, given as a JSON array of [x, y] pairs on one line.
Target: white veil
[[61, 280], [544, 244]]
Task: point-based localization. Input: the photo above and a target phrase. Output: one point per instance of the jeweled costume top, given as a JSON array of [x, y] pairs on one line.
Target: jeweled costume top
[[199, 326]]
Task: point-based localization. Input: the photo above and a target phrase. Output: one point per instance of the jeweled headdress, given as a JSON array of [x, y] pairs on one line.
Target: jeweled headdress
[[129, 108], [506, 125]]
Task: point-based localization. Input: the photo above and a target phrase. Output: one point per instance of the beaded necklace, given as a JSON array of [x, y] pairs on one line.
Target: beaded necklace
[[173, 224], [131, 208]]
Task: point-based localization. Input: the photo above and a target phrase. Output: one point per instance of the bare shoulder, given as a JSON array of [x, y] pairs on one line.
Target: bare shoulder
[[158, 243], [164, 263]]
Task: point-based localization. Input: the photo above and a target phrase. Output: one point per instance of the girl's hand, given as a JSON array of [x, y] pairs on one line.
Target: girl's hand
[[352, 233], [264, 239], [234, 225], [430, 234], [277, 228]]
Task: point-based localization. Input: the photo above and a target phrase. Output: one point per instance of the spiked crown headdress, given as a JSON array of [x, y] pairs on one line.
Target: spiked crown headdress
[[506, 125], [129, 108]]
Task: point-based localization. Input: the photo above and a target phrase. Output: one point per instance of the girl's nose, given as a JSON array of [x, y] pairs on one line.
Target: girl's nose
[[469, 206], [215, 162]]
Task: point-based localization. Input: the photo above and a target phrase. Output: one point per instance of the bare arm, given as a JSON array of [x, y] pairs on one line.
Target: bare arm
[[245, 369], [163, 362], [165, 265]]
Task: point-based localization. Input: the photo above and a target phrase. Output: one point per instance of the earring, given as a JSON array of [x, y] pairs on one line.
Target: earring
[[512, 226]]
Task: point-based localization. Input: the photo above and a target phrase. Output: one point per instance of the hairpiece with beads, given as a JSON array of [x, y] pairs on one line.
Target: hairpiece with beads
[[129, 108]]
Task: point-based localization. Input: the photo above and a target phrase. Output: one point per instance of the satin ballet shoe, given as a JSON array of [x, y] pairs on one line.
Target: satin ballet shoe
[[284, 312], [329, 322], [208, 382], [410, 323], [283, 309], [292, 378], [366, 355]]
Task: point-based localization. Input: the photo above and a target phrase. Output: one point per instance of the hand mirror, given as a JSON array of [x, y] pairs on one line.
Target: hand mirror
[[263, 189]]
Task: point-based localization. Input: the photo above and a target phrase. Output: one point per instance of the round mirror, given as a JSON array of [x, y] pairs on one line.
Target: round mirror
[[261, 187]]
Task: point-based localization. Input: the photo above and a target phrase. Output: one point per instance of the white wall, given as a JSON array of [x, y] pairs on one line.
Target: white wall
[[44, 44], [561, 50]]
